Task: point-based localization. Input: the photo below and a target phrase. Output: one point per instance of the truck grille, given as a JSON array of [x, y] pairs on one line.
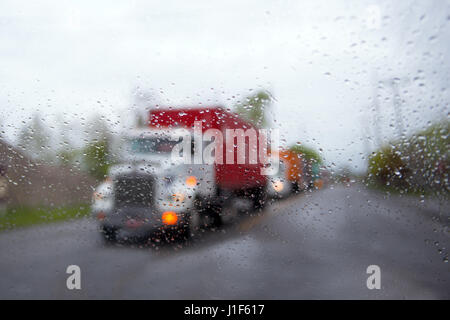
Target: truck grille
[[134, 191]]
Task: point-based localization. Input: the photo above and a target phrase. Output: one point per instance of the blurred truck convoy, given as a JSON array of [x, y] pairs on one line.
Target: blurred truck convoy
[[162, 192]]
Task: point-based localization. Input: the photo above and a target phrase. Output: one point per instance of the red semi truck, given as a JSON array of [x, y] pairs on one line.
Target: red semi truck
[[154, 190], [230, 179]]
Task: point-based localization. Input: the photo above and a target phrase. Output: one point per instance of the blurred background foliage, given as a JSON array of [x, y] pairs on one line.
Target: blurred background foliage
[[91, 154], [96, 159], [307, 152], [417, 164], [255, 109]]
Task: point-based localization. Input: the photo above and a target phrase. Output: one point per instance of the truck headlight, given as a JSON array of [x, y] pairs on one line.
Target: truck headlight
[[278, 185], [178, 197], [102, 198]]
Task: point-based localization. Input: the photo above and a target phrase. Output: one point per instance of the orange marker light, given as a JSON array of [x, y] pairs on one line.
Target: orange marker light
[[97, 196], [169, 217], [318, 184], [191, 181]]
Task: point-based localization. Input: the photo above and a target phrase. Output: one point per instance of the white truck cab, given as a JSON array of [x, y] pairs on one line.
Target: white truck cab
[[149, 182]]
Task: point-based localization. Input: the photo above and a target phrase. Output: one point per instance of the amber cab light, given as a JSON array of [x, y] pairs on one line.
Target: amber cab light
[[191, 181]]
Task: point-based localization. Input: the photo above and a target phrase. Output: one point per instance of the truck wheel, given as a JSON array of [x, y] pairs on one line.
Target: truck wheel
[[192, 225], [259, 198], [295, 187], [209, 210], [213, 213], [109, 234]]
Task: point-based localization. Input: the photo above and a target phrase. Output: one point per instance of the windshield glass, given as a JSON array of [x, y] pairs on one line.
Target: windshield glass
[[151, 145], [225, 150]]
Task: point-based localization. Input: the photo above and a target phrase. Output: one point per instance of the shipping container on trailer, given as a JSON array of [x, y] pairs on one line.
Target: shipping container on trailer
[[229, 177]]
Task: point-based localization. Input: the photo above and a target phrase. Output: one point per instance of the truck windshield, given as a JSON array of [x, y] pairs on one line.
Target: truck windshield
[[152, 145]]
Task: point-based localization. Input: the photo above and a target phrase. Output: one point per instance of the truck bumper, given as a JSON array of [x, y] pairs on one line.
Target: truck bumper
[[130, 223]]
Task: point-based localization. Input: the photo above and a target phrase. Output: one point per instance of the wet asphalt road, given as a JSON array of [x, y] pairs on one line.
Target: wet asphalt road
[[311, 246]]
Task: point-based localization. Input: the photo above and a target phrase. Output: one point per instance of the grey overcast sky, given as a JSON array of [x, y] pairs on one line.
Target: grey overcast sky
[[321, 60]]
